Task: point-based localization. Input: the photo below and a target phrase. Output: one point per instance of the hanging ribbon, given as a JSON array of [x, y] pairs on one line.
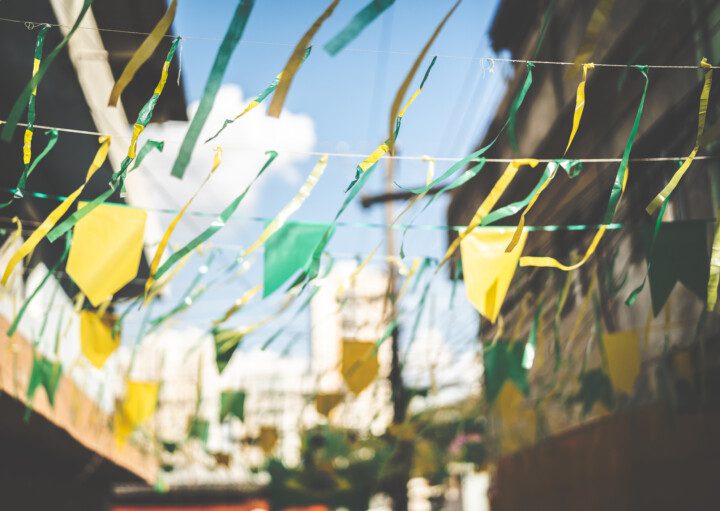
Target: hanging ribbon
[[117, 180], [495, 193], [143, 53], [714, 278], [292, 206], [217, 224], [579, 105], [160, 250], [47, 224], [679, 173], [222, 59], [24, 98], [257, 99], [239, 304], [360, 21], [296, 59], [400, 94], [515, 106], [27, 141], [615, 195], [19, 190]]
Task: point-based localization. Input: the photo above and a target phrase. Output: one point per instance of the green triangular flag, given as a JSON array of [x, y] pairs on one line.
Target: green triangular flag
[[232, 402], [595, 386], [289, 250], [47, 374], [504, 361], [226, 341], [679, 254], [199, 428]]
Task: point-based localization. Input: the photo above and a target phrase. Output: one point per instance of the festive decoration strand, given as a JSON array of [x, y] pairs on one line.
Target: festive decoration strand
[[24, 98], [579, 106], [714, 277], [27, 140], [357, 24], [632, 298], [222, 59], [143, 53], [295, 61], [19, 190], [598, 20], [515, 106]]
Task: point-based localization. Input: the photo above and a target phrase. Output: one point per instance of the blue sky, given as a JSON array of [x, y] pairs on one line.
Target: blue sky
[[348, 99]]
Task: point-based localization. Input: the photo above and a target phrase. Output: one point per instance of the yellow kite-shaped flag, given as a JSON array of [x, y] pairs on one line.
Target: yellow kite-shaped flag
[[488, 269], [106, 250], [359, 364], [137, 407], [623, 358], [96, 337]]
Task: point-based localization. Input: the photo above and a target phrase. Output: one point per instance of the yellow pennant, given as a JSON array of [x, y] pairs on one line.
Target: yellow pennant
[[488, 204], [488, 269], [143, 53], [58, 212], [518, 420], [239, 304], [137, 407], [292, 206], [326, 402], [359, 366], [579, 105], [714, 278], [679, 173], [106, 250], [268, 439], [96, 338], [217, 159], [623, 358]]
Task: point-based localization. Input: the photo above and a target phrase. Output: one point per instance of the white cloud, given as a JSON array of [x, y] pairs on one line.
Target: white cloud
[[244, 144]]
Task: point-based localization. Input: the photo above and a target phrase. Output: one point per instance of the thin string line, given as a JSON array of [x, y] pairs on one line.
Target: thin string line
[[416, 158], [32, 24]]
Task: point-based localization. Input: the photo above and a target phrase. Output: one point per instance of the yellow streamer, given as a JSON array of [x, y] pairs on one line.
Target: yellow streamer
[[143, 53], [239, 303], [549, 262], [487, 205], [217, 159], [672, 184], [598, 21], [292, 206], [579, 105], [712, 287], [58, 212]]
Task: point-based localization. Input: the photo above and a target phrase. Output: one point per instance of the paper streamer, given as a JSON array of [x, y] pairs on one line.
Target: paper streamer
[[19, 190], [714, 278], [597, 23], [222, 59], [295, 61], [679, 173], [400, 94], [579, 105], [27, 140], [360, 21], [515, 106], [47, 224], [257, 99], [615, 195], [497, 190], [117, 180], [292, 206], [160, 250], [239, 304], [217, 224], [143, 53], [24, 98]]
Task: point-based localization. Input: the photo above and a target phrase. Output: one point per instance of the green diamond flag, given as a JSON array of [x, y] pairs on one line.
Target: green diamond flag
[[289, 250], [680, 253], [504, 361], [232, 402]]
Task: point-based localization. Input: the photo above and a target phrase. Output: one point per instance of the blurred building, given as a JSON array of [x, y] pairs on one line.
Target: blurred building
[[637, 32]]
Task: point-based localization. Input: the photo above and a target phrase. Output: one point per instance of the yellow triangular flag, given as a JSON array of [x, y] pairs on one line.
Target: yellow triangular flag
[[106, 250], [623, 358], [268, 439], [488, 269], [137, 407], [518, 421], [325, 403], [359, 364], [96, 337]]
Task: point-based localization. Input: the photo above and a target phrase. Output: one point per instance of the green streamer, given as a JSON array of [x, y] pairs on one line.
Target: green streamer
[[357, 24], [457, 274], [218, 224], [146, 149], [31, 102], [515, 106], [19, 190], [53, 269], [222, 59], [617, 188], [23, 99]]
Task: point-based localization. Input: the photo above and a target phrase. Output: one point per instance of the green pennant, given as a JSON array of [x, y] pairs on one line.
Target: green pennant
[[226, 341], [504, 361], [232, 403], [357, 24], [47, 374], [288, 251], [679, 254], [595, 387], [222, 59], [199, 428]]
